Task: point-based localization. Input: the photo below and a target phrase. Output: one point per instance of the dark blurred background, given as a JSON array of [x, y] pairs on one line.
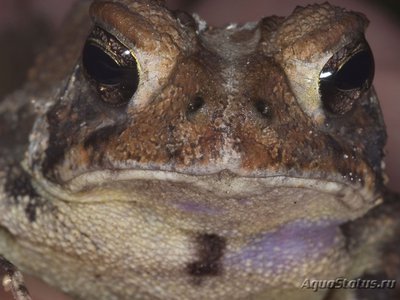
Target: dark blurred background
[[390, 6], [27, 27]]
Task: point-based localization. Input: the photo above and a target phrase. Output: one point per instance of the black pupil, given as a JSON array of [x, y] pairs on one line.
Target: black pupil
[[355, 72], [116, 80], [101, 66]]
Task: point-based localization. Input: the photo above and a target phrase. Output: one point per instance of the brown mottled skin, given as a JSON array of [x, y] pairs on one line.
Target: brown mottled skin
[[224, 176]]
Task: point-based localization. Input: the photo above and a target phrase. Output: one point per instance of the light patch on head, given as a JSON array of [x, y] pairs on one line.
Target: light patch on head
[[151, 76], [304, 81]]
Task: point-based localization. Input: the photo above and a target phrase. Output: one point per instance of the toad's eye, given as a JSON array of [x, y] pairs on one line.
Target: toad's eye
[[345, 77], [110, 67]]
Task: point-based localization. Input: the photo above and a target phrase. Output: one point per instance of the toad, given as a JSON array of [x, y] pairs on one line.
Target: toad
[[151, 156]]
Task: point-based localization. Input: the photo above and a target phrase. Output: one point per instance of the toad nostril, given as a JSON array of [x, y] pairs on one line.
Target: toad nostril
[[263, 108], [195, 104]]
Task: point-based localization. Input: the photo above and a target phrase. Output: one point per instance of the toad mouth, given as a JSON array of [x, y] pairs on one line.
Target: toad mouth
[[216, 194]]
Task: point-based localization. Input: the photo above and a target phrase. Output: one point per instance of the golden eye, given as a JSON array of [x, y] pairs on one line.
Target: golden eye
[[110, 67], [345, 77]]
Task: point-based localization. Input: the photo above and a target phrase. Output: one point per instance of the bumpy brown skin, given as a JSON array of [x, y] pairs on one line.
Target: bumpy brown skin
[[198, 66], [224, 147]]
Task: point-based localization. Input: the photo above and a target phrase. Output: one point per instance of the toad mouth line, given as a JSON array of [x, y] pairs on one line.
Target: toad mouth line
[[90, 186]]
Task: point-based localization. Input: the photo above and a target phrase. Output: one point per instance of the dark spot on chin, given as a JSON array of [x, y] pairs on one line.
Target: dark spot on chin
[[210, 250]]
